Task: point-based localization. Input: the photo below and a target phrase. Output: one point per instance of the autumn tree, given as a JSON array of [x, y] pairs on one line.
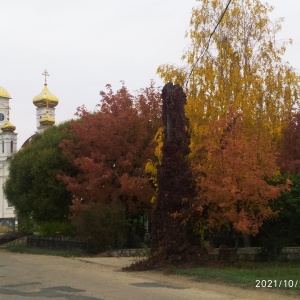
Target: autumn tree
[[236, 171], [235, 65], [290, 151], [171, 228], [33, 186], [242, 68], [111, 149], [154, 163]]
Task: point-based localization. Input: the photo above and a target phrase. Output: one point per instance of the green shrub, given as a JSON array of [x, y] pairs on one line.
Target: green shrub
[[283, 230], [55, 228], [26, 225]]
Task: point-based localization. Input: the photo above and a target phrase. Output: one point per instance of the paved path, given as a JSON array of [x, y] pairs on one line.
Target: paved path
[[24, 276]]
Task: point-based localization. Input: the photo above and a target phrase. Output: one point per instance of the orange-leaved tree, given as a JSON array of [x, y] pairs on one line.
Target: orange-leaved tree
[[234, 171]]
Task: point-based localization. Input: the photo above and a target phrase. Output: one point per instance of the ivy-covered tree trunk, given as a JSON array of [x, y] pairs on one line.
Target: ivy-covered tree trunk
[[171, 227]]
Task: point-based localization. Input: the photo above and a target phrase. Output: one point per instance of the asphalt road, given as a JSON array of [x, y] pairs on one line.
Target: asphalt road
[[24, 276]]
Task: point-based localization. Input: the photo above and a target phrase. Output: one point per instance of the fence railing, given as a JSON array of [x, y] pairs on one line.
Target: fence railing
[[59, 242]]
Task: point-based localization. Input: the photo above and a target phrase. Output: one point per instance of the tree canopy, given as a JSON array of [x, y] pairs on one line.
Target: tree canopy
[[232, 172], [241, 95], [111, 150], [33, 186], [290, 150], [241, 71]]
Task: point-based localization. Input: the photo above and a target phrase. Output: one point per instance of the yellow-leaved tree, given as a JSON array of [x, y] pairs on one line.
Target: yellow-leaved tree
[[241, 71]]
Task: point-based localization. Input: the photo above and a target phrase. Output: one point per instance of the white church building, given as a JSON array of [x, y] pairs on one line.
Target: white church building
[[45, 103]]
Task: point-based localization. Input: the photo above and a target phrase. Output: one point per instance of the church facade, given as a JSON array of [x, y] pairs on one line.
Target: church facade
[[45, 103], [8, 145]]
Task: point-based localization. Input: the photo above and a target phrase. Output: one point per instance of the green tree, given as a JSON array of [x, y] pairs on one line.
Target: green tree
[[282, 230], [33, 186]]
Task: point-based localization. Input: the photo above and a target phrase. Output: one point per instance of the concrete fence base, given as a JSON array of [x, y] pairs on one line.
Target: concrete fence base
[[242, 254], [253, 254], [124, 253]]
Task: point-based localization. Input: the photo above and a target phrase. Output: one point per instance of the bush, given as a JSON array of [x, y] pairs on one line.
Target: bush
[[55, 228], [104, 226], [26, 225], [284, 229]]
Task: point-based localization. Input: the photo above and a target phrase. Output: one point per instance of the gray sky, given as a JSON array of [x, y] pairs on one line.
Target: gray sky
[[85, 44]]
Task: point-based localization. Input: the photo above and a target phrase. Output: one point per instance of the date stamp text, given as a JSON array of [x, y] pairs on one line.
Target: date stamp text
[[277, 283]]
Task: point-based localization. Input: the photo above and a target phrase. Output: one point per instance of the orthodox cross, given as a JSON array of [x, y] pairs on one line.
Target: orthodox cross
[[46, 74]]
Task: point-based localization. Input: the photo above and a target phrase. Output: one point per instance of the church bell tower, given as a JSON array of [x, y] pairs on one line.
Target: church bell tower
[[45, 103], [8, 146]]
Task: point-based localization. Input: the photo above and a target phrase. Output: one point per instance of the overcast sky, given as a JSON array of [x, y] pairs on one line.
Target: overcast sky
[[85, 44]]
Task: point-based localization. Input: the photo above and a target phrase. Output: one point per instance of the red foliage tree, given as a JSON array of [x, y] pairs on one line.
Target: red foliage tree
[[111, 149], [232, 178], [290, 151]]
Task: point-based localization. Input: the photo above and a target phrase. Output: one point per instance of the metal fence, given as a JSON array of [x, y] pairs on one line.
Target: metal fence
[[57, 242]]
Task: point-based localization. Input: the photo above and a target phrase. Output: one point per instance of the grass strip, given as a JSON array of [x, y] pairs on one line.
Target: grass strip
[[283, 276]]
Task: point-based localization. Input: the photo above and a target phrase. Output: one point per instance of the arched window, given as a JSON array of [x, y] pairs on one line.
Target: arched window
[[11, 146]]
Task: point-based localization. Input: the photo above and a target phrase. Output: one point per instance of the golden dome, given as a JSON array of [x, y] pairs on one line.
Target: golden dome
[[45, 98], [47, 120], [4, 93], [8, 127]]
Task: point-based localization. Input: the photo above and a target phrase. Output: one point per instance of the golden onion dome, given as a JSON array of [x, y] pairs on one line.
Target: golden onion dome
[[8, 127], [45, 98], [4, 93], [47, 120]]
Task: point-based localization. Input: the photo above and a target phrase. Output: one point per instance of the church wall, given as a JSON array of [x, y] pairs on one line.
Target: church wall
[[8, 145], [6, 210]]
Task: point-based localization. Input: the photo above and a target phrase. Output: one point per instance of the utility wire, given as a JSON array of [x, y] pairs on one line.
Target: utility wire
[[208, 42]]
